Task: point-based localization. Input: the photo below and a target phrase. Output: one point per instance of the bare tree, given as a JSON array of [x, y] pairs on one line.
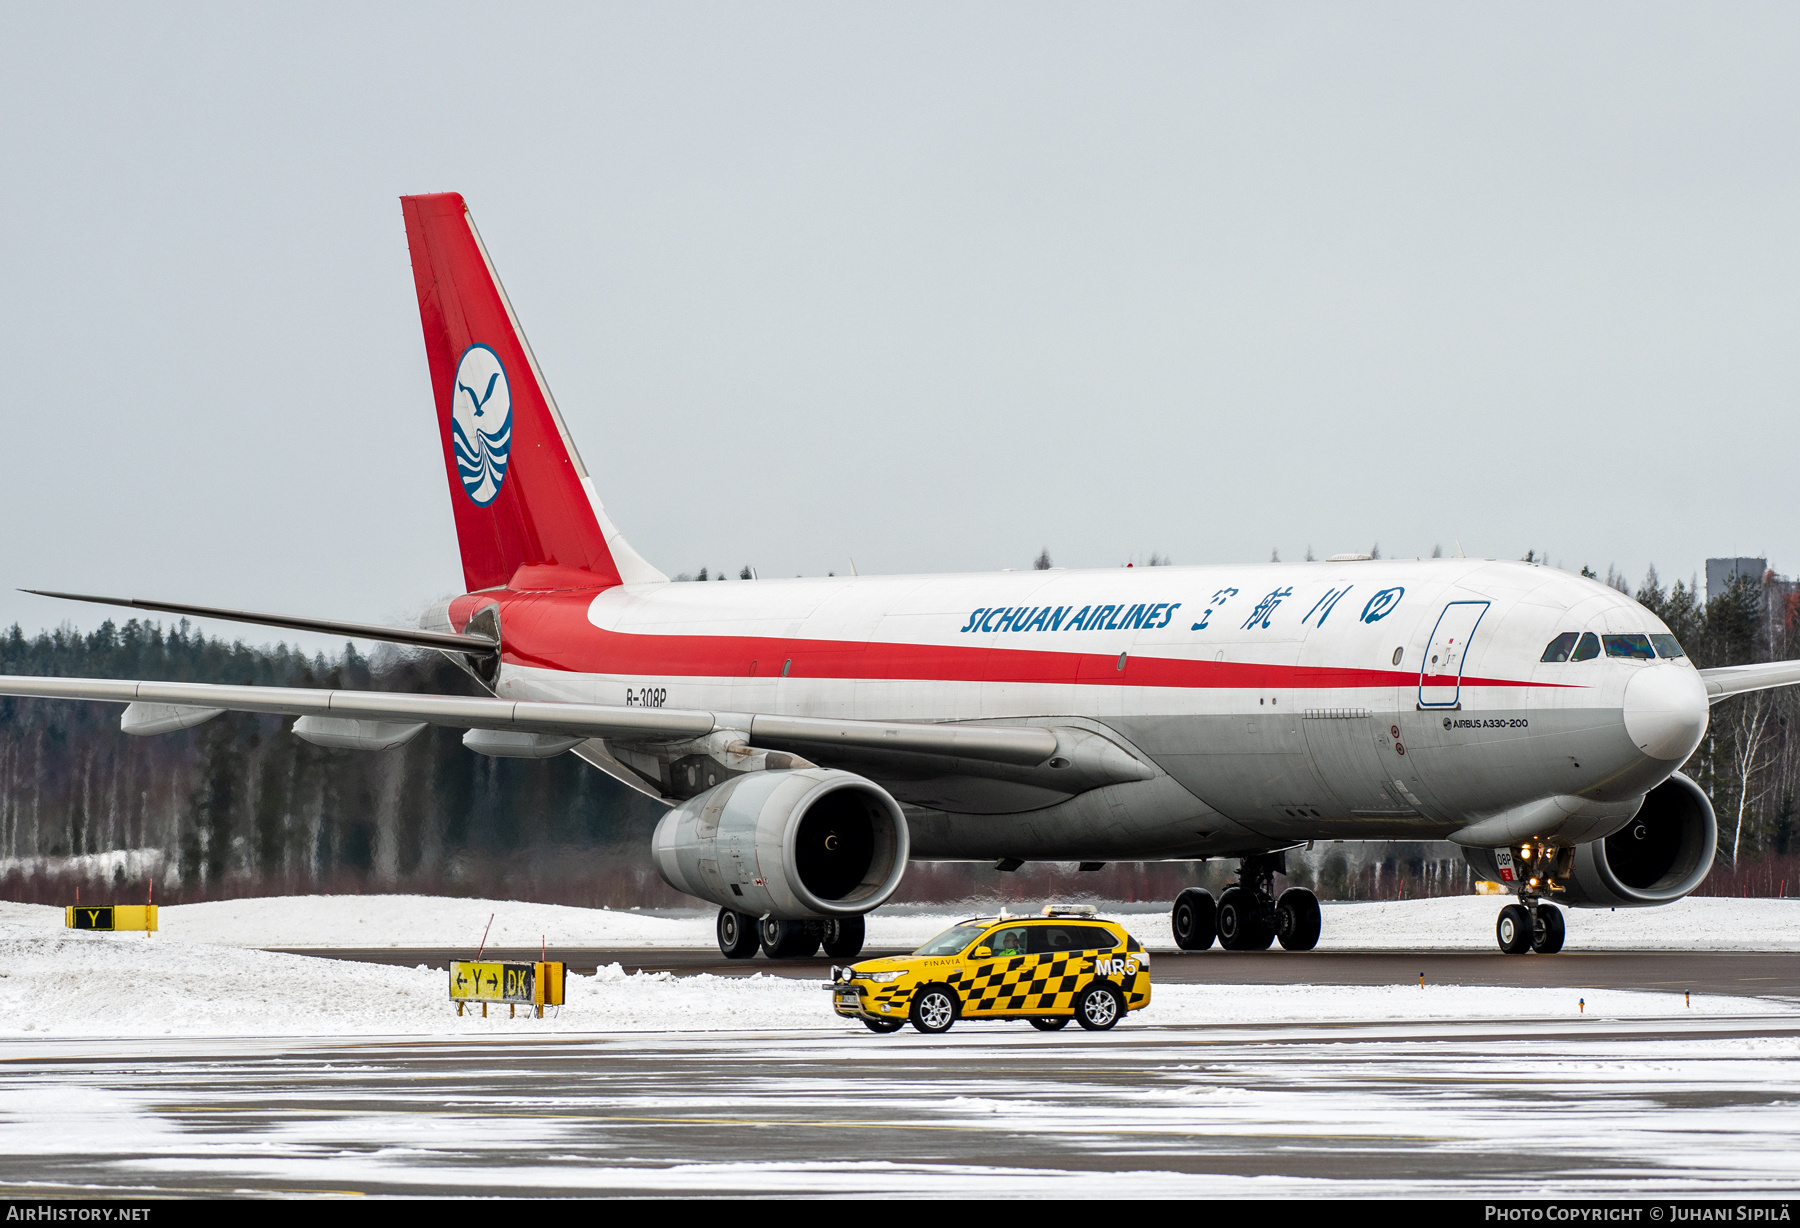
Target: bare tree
[[1042, 562], [1748, 756]]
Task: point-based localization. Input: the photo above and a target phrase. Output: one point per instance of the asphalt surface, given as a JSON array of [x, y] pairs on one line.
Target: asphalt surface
[[1759, 974], [1517, 1108]]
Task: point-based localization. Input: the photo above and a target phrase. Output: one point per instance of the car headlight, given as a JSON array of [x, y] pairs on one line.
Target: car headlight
[[880, 978]]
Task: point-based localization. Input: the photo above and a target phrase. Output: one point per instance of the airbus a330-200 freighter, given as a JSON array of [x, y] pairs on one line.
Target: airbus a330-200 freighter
[[810, 736]]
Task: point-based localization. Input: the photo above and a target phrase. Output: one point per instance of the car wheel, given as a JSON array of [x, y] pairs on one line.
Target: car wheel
[[884, 1026], [737, 934], [844, 937], [934, 1009], [1098, 1007], [1195, 919], [1048, 1024]]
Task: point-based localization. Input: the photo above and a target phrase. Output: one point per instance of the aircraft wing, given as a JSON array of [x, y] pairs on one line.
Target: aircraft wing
[[1729, 680], [1019, 746]]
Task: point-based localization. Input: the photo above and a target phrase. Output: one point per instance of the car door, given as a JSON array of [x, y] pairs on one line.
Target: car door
[[993, 978], [1065, 962]]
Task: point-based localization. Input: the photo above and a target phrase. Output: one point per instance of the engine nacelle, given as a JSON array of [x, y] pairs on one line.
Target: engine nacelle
[[1659, 855], [1656, 858], [793, 845]]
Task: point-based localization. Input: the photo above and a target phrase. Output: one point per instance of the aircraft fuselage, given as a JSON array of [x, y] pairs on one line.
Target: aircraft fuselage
[[1373, 699]]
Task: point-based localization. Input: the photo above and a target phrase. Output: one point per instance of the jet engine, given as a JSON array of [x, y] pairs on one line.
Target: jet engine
[[1659, 855], [792, 845], [1656, 858]]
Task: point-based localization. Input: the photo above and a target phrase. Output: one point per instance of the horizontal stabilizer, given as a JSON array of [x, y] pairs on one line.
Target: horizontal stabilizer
[[447, 640]]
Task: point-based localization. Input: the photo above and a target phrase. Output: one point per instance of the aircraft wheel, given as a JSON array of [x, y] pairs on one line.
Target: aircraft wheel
[[1241, 926], [1098, 1007], [1513, 929], [737, 934], [1547, 929], [844, 937], [1046, 1024], [934, 1009], [884, 1026], [1297, 920], [788, 939], [1195, 919]]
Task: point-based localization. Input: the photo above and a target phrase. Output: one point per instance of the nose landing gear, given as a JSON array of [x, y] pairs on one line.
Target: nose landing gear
[[1248, 916], [1530, 925]]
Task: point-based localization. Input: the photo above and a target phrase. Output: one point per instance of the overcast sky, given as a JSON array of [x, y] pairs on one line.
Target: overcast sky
[[930, 286]]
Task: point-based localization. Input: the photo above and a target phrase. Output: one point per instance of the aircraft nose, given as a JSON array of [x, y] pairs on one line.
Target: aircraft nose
[[1666, 712]]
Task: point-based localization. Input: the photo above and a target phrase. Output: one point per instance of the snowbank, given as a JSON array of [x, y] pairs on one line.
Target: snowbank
[[1459, 923], [71, 983]]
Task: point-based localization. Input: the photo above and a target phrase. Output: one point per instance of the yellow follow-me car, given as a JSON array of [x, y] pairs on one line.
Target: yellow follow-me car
[[1066, 964]]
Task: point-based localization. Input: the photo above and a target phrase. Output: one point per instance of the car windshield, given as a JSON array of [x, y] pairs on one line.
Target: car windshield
[[1631, 647], [952, 941], [1667, 646]]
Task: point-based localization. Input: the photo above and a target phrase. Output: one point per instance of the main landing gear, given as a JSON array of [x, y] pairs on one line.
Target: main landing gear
[[740, 934], [1248, 916], [1530, 925]]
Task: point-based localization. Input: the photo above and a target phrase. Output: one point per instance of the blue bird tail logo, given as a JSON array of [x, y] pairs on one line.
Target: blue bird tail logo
[[481, 423]]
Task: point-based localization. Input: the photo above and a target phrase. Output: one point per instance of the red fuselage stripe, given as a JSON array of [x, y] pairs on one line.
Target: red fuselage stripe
[[593, 650]]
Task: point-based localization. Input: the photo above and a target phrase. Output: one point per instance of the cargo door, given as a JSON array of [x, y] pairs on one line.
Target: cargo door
[[1440, 672]]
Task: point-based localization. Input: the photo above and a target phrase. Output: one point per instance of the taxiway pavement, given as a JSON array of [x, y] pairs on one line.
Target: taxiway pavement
[[1758, 973], [1571, 1107]]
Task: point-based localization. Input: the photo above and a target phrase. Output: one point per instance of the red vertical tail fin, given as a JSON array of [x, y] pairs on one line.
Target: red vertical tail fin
[[526, 513]]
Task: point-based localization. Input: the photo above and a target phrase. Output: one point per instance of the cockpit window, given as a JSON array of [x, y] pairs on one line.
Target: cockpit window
[[1631, 647], [1560, 647], [1667, 647], [1588, 648]]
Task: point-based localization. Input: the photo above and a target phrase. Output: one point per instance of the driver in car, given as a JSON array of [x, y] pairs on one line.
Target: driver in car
[[1008, 942]]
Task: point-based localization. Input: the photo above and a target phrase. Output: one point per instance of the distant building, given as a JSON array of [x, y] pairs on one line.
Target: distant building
[[1780, 597], [1721, 574]]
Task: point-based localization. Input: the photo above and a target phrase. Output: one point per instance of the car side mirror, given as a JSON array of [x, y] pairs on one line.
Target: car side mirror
[[983, 953]]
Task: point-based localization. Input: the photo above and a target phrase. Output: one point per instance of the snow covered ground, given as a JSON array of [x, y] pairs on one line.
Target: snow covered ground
[[197, 978], [180, 1062], [1457, 923]]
